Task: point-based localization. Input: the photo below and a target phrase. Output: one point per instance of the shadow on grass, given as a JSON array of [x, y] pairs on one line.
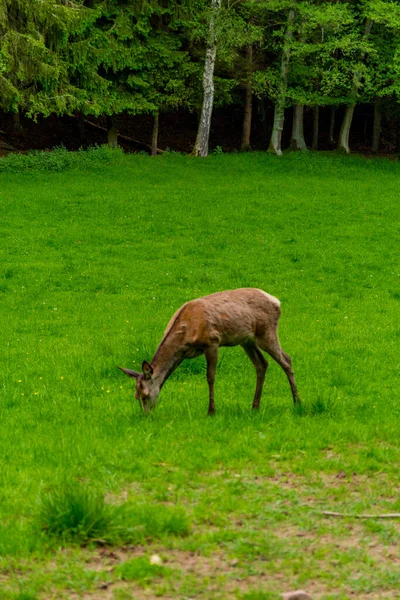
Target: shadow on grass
[[191, 366], [324, 404]]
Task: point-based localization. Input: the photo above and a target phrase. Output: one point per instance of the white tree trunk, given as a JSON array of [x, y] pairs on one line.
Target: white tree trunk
[[343, 143], [246, 132], [275, 144], [298, 142], [203, 133]]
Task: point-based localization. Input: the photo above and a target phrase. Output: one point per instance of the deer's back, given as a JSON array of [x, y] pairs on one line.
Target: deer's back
[[228, 318]]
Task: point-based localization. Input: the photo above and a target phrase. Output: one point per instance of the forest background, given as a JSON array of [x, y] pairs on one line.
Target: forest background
[[121, 64]]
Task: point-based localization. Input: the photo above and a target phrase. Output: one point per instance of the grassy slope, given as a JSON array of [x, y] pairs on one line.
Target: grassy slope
[[94, 263]]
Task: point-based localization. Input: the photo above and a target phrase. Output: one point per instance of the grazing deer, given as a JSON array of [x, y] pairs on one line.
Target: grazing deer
[[245, 317]]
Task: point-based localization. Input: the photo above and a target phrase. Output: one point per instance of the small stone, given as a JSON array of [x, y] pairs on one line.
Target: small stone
[[296, 595], [155, 559]]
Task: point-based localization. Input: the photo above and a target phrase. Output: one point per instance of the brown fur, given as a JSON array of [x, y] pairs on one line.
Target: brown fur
[[247, 317]]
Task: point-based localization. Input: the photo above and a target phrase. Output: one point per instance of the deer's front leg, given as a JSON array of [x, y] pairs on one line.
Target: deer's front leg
[[211, 355]]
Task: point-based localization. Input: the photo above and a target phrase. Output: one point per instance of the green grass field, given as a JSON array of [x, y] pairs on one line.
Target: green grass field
[[95, 259]]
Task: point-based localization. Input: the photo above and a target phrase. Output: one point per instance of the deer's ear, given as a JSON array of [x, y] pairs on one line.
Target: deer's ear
[[129, 372], [147, 369]]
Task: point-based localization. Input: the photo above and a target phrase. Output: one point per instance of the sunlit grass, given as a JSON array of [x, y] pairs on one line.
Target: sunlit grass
[[93, 265]]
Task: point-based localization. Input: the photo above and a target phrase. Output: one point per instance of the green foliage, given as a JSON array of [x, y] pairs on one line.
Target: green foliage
[[33, 74], [60, 159], [130, 59], [119, 56]]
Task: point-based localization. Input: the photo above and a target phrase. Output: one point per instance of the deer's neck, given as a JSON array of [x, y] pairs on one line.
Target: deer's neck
[[167, 358]]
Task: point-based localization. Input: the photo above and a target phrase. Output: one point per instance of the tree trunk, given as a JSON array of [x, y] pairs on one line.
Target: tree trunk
[[246, 132], [16, 122], [112, 131], [275, 144], [81, 128], [298, 142], [315, 127], [203, 133], [398, 135], [332, 125], [154, 137], [343, 144], [376, 132]]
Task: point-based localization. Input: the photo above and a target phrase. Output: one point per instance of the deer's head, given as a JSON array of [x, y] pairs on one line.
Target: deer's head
[[147, 389]]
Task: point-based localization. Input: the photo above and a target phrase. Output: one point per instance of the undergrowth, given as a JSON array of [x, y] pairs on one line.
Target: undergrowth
[[60, 159]]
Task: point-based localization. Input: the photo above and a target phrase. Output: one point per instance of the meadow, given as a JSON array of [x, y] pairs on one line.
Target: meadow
[[97, 252]]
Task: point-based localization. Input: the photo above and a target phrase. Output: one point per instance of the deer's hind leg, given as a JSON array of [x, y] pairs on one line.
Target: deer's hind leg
[[260, 364], [270, 344], [211, 355]]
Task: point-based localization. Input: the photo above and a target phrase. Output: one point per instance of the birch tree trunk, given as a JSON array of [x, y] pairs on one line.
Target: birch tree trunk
[[275, 144], [343, 144], [203, 133], [154, 136], [246, 132], [376, 132], [112, 132], [298, 142], [315, 128]]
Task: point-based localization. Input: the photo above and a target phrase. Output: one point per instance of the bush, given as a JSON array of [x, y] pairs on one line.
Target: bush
[[60, 159]]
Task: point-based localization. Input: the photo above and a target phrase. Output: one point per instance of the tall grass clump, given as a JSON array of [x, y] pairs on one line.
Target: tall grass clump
[[75, 513]]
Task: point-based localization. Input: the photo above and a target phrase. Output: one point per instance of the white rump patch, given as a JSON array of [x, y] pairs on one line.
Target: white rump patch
[[271, 298]]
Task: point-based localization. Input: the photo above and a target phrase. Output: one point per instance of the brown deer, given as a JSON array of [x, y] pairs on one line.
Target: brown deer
[[245, 317]]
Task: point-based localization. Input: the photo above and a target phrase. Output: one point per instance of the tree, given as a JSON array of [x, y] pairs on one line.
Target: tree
[[275, 144], [203, 133], [33, 76], [129, 58], [383, 83], [320, 30], [230, 31], [357, 82]]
